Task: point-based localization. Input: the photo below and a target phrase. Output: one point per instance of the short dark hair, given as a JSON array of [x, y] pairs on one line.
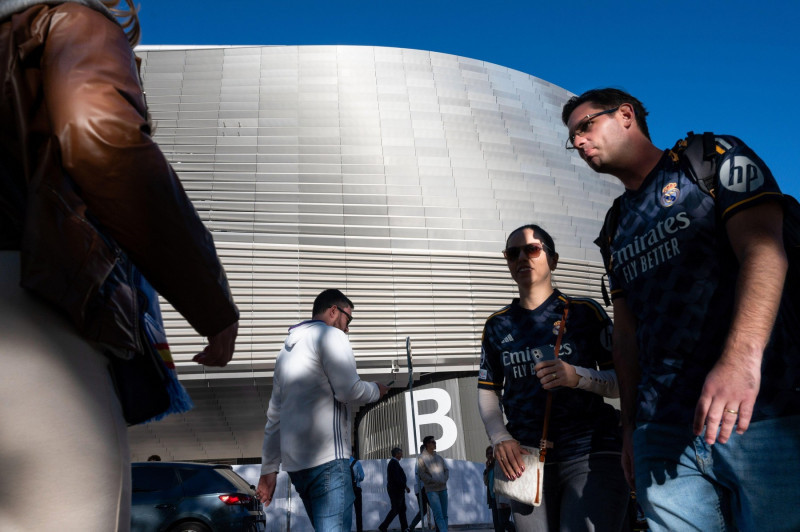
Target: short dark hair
[[396, 451], [328, 298], [427, 439], [541, 234], [607, 99]]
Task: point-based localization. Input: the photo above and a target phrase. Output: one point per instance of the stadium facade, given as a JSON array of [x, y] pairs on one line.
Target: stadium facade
[[392, 174]]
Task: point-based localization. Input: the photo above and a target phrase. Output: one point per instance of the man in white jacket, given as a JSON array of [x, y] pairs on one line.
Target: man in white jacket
[[315, 383]]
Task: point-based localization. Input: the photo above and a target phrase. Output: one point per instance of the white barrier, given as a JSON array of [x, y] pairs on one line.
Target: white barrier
[[466, 496]]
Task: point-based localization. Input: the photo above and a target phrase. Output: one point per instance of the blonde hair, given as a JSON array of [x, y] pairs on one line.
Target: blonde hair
[[128, 17]]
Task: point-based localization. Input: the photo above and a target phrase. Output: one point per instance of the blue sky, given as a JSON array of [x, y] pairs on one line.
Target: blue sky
[[728, 67]]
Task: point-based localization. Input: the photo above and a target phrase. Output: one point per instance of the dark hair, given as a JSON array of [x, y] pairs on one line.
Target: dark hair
[[328, 298], [541, 234], [421, 447], [396, 451], [427, 439], [607, 99]]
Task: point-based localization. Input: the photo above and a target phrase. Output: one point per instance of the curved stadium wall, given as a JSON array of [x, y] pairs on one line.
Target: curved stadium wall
[[392, 174]]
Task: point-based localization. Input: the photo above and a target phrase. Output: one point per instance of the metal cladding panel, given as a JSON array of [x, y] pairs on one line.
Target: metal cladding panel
[[394, 175]]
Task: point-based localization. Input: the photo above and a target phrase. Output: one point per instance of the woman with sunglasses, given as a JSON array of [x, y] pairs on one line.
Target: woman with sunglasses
[[584, 487]]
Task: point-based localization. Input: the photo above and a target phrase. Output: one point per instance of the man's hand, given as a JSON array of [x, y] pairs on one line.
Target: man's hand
[[731, 387], [730, 390], [509, 454], [219, 350], [266, 487], [383, 389]]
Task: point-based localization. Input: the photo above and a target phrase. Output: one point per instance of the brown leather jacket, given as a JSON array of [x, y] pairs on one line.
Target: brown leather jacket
[[74, 136]]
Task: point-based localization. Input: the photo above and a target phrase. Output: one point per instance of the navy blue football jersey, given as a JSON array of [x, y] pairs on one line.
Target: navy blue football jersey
[[516, 339], [672, 261]]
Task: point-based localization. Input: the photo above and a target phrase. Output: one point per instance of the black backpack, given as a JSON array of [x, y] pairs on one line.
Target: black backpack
[[698, 156]]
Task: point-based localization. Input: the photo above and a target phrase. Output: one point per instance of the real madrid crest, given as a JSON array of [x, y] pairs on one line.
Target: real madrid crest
[[670, 194], [556, 326]]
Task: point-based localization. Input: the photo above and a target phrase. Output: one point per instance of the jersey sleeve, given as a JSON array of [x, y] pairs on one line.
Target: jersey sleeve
[[490, 375], [614, 286], [605, 329], [744, 180], [597, 327]]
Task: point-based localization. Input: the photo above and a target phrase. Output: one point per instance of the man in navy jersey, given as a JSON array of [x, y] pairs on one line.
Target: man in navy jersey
[[705, 345]]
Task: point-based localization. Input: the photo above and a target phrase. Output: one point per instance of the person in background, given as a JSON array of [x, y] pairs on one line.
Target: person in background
[[153, 458], [706, 341], [357, 477], [434, 473], [397, 488], [584, 486], [422, 498], [308, 420], [501, 511], [75, 134]]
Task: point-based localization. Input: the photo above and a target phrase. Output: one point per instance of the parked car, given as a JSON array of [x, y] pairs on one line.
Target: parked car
[[193, 497]]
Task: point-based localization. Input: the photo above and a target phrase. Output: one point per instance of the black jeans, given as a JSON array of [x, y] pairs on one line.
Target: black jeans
[[357, 506], [398, 501], [501, 519]]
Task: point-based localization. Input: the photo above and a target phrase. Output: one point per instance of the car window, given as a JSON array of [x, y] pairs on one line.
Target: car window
[[241, 484], [200, 481], [153, 478]]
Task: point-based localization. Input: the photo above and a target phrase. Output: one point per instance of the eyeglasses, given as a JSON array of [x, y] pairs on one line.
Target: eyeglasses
[[349, 316], [584, 126], [531, 251]]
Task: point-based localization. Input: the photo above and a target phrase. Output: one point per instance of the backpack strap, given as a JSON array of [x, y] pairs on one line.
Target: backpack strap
[[698, 156], [603, 241], [544, 443]]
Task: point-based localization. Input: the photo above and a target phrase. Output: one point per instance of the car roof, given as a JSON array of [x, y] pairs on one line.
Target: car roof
[[189, 465]]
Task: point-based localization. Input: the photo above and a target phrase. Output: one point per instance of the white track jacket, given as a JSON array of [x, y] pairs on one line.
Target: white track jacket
[[308, 420]]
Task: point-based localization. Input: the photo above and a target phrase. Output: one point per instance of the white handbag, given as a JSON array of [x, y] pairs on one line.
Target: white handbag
[[527, 488]]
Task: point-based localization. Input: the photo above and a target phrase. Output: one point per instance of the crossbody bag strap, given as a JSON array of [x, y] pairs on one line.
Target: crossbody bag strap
[[544, 444]]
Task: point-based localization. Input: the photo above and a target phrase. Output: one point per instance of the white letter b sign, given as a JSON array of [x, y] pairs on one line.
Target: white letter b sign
[[439, 417]]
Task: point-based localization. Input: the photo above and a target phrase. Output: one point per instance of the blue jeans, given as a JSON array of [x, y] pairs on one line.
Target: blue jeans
[[750, 483], [327, 494], [437, 500]]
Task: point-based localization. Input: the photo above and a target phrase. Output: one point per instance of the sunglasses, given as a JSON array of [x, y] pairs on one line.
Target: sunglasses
[[349, 316], [531, 251]]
